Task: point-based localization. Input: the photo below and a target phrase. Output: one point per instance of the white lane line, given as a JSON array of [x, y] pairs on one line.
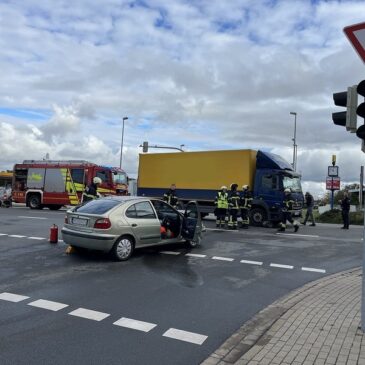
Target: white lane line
[[222, 258], [3, 234], [251, 262], [313, 270], [89, 314], [298, 235], [282, 266], [185, 336], [24, 216], [195, 255], [15, 298], [16, 236], [170, 252], [47, 304], [36, 238], [135, 325], [60, 240]]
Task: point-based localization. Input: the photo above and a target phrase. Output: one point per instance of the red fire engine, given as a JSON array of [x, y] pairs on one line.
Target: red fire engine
[[55, 183]]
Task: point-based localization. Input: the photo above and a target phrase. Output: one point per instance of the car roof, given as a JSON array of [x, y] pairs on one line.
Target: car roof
[[126, 198]]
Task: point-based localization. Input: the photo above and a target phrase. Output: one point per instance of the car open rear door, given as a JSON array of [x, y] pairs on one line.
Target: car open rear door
[[192, 224]]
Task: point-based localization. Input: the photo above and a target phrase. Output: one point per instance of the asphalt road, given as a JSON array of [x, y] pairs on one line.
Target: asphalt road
[[180, 307]]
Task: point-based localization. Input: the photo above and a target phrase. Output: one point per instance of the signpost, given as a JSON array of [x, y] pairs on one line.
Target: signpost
[[356, 35], [333, 181]]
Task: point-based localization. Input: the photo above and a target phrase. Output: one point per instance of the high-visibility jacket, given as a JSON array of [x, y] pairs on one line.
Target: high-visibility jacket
[[234, 200], [221, 200]]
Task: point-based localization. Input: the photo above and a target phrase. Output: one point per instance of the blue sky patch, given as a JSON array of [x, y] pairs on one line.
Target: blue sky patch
[[28, 114]]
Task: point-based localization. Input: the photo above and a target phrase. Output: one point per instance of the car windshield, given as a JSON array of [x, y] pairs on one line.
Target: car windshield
[[292, 183], [119, 177], [99, 206]]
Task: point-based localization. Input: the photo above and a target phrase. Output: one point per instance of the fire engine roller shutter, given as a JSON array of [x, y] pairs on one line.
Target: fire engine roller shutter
[[70, 187]]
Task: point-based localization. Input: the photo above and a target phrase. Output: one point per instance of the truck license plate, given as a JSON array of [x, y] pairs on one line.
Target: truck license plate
[[79, 221]]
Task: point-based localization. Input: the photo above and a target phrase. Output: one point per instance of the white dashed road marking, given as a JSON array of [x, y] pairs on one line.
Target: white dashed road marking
[[134, 324], [15, 298], [282, 266], [89, 314], [313, 270], [251, 262], [185, 336], [36, 238], [24, 216], [3, 234], [195, 255], [170, 253], [222, 258], [298, 235], [47, 304], [16, 236]]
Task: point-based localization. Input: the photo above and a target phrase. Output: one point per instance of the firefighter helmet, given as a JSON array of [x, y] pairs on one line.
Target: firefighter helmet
[[287, 190], [245, 187], [97, 180], [224, 187]]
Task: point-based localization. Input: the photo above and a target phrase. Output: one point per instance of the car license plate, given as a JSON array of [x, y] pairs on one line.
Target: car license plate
[[79, 221]]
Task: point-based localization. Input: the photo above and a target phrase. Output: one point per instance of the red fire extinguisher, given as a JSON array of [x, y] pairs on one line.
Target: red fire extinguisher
[[53, 234]]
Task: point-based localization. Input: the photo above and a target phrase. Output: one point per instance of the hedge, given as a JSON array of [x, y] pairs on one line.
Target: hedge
[[334, 216]]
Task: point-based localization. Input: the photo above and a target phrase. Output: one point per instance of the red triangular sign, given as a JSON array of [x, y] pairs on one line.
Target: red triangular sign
[[356, 35]]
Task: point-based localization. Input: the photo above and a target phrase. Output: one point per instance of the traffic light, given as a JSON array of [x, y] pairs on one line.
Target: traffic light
[[347, 99], [361, 112]]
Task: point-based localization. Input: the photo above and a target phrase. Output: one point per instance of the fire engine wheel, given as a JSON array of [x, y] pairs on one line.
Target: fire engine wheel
[[123, 248], [258, 216], [34, 202]]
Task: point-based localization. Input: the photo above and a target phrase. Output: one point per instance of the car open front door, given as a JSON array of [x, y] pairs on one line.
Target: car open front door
[[192, 224]]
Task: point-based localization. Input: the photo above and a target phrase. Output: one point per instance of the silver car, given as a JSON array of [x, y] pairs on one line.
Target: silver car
[[120, 224]]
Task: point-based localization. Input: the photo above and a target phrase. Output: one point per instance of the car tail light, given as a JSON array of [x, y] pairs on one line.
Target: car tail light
[[103, 223]]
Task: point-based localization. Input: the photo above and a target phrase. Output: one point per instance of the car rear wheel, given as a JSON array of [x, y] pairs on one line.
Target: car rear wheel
[[123, 249]]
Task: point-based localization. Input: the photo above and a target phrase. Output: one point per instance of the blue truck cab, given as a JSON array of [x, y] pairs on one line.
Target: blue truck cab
[[273, 175]]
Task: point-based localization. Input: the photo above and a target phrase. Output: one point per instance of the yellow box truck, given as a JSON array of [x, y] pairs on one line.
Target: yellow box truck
[[198, 176]]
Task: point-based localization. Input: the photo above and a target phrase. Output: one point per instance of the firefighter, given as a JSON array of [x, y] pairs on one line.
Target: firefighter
[[170, 196], [91, 191], [286, 212], [245, 203], [234, 207], [221, 203]]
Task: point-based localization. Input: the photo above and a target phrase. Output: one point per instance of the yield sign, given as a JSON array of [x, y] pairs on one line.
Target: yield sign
[[356, 35]]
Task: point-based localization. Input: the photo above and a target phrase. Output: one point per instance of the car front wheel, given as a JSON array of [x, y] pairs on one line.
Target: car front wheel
[[123, 249]]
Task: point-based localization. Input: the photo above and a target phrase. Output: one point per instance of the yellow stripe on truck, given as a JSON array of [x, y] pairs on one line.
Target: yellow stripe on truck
[[207, 170]]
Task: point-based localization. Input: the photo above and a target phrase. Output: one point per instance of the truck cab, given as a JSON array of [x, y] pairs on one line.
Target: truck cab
[[273, 175]]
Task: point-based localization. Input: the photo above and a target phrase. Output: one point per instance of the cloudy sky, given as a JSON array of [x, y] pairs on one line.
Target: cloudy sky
[[209, 74]]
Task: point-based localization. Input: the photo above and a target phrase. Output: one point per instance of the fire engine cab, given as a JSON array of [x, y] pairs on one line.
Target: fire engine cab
[[53, 183]]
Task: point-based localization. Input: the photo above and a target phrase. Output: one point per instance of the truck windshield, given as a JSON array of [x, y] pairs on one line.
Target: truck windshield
[[119, 178], [292, 183]]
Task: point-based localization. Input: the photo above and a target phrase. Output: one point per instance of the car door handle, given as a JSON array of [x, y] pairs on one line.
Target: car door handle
[[134, 225]]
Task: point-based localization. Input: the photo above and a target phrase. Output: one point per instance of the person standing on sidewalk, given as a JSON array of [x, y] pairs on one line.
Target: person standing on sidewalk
[[221, 203], [345, 207], [309, 202], [234, 207]]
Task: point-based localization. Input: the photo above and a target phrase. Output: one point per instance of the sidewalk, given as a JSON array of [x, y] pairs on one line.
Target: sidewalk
[[316, 324]]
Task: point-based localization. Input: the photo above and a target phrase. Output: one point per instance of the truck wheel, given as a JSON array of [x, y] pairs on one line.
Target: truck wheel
[[258, 216], [34, 202]]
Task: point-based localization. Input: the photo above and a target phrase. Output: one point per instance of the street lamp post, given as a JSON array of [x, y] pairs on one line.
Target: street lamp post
[[295, 142], [121, 146]]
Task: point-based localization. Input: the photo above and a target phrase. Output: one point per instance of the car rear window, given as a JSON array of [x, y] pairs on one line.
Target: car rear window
[[97, 206]]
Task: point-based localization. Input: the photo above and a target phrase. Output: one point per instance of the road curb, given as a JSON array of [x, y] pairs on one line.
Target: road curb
[[253, 331]]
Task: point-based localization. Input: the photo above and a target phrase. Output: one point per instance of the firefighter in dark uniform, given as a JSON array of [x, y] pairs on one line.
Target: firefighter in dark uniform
[[287, 212], [91, 191], [221, 204], [234, 207], [170, 196], [245, 203]]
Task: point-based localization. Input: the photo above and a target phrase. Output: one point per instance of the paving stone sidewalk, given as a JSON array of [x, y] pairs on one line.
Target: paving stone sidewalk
[[317, 324]]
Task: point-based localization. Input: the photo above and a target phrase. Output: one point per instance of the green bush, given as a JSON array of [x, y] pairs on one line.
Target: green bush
[[334, 216]]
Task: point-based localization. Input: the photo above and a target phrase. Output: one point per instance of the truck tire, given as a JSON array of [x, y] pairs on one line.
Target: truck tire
[[258, 216], [34, 202]]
